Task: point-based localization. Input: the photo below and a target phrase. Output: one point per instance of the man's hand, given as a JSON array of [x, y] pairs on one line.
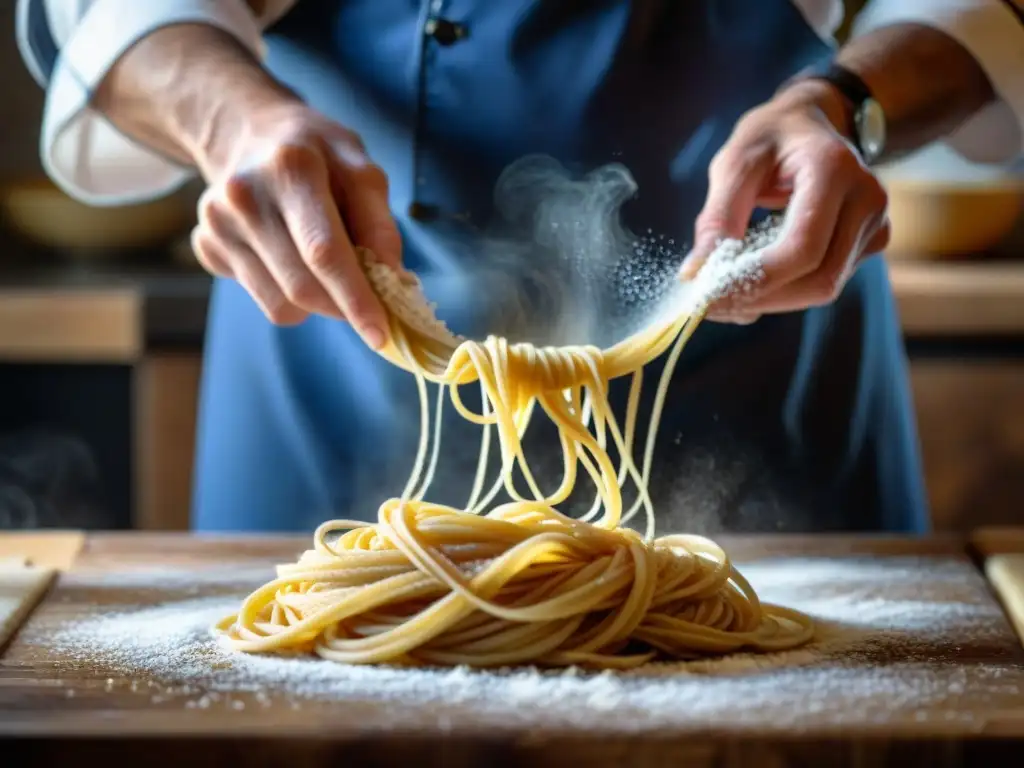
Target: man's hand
[[789, 153], [291, 192], [290, 195]]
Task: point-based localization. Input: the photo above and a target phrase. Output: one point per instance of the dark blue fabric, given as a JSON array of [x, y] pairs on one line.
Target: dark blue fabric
[[40, 38], [799, 422]]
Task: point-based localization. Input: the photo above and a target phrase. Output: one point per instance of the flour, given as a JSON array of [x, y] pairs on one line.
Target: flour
[[890, 634], [733, 270], [737, 266]]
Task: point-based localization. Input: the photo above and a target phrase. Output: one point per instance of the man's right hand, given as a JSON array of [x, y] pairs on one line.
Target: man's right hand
[[291, 192], [288, 200]]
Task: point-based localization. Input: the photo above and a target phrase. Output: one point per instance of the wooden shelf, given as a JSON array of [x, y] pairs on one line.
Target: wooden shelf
[[53, 325], [976, 298]]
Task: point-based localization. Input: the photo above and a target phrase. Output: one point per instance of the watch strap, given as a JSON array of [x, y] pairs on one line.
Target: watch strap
[[845, 81], [850, 85]]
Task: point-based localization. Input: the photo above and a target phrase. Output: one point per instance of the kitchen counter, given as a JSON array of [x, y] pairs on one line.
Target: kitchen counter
[[915, 664]]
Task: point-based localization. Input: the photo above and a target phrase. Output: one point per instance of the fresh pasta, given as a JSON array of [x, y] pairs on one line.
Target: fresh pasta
[[515, 582]]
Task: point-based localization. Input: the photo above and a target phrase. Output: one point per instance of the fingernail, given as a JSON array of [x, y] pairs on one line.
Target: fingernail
[[690, 267], [374, 336], [695, 260]]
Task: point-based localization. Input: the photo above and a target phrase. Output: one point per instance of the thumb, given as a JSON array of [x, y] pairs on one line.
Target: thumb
[[735, 181]]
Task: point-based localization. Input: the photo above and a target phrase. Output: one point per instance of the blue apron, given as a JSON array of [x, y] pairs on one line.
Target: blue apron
[[800, 422]]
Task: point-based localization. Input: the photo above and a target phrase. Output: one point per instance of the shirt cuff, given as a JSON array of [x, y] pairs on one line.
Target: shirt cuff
[[994, 34], [81, 150]]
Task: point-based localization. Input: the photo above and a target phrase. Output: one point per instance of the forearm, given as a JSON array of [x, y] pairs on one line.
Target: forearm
[[927, 83], [184, 90]]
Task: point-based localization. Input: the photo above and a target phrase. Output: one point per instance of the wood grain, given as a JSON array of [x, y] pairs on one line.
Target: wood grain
[[67, 326], [51, 549], [166, 400], [959, 299], [114, 719], [21, 588], [997, 540], [47, 549], [1006, 575], [1001, 551], [971, 425], [29, 561]]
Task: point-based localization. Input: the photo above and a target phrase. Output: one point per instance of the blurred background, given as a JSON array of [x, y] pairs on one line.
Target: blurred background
[[102, 316]]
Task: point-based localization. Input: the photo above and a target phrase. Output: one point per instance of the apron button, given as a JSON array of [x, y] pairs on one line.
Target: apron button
[[423, 211], [444, 31]]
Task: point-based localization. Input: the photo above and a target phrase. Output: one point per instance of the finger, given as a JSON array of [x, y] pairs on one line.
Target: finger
[[879, 241], [734, 317], [773, 201], [250, 273], [808, 229], [735, 180], [856, 225], [213, 234], [776, 196], [296, 281], [263, 228], [240, 214], [207, 253], [314, 223], [361, 192]]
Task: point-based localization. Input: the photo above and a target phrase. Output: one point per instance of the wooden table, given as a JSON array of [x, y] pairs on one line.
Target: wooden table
[[943, 685]]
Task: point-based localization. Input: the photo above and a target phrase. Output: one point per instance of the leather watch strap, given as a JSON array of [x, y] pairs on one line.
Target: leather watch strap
[[852, 87]]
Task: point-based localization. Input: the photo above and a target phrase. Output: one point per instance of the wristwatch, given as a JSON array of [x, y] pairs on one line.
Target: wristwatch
[[867, 123]]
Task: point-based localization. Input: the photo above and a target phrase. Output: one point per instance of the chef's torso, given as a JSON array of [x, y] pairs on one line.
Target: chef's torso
[[799, 421]]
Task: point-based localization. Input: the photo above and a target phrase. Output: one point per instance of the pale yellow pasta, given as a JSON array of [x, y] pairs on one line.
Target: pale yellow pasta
[[518, 582]]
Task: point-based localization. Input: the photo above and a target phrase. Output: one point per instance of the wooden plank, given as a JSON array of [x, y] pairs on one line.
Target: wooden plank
[[126, 550], [971, 425], [29, 562], [952, 674], [1001, 550], [1005, 573], [22, 586], [54, 325], [166, 401], [45, 549], [997, 540], [959, 299]]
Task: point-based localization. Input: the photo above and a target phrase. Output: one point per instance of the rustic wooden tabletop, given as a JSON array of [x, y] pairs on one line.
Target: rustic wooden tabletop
[[916, 664]]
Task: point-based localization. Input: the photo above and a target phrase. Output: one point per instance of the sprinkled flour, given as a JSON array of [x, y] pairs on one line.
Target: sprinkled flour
[[737, 266], [892, 634], [733, 270]]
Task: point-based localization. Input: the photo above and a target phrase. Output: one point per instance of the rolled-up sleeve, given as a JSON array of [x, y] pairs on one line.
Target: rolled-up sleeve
[[69, 46], [993, 32]]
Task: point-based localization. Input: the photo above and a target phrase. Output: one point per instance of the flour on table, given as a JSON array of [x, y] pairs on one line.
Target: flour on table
[[882, 622]]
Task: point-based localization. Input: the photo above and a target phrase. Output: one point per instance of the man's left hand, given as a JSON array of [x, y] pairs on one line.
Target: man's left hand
[[790, 153]]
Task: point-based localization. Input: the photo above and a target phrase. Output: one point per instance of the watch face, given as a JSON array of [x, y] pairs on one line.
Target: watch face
[[870, 123]]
